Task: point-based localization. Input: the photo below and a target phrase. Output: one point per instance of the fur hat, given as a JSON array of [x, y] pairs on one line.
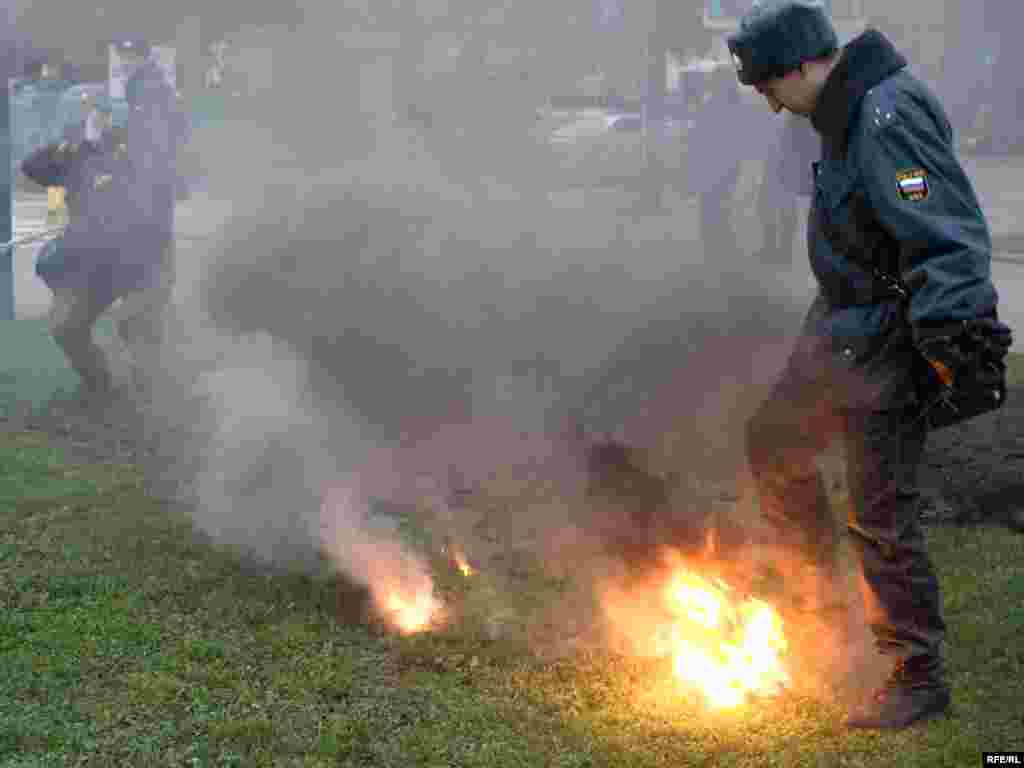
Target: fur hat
[[777, 36]]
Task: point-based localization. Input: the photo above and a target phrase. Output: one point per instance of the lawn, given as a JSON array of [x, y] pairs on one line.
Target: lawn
[[34, 370], [125, 639]]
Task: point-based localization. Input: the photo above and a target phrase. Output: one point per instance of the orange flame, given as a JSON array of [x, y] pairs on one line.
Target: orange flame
[[725, 647], [457, 558], [399, 580], [462, 564], [411, 613]]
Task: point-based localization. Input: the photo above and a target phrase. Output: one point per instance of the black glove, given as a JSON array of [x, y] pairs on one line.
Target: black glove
[[997, 337]]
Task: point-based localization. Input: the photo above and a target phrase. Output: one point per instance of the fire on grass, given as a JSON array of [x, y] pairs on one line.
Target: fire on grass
[[458, 560], [399, 581], [409, 611], [414, 608], [727, 646], [420, 610]]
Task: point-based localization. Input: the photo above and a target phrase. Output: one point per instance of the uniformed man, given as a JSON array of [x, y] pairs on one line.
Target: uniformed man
[[110, 249], [890, 197]]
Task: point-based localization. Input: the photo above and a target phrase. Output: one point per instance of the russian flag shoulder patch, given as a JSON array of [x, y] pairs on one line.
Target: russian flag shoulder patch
[[912, 184]]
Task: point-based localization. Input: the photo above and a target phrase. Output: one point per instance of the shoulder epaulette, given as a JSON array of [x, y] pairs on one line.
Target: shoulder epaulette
[[879, 108]]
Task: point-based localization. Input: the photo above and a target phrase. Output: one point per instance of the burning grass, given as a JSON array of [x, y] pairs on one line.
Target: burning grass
[[128, 641], [727, 646]]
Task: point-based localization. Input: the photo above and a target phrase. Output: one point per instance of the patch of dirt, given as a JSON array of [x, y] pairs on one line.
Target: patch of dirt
[[974, 472], [93, 435], [124, 430]]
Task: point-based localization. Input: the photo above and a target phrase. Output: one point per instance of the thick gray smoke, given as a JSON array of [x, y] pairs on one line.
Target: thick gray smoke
[[404, 296]]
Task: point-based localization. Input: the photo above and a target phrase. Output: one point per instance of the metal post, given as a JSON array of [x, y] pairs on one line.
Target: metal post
[[189, 47], [6, 204]]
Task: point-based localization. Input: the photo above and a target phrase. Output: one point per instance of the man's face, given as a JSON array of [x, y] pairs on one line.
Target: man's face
[[794, 91]]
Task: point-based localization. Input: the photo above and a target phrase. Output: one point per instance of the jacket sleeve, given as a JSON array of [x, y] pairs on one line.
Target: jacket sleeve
[[49, 165], [923, 198]]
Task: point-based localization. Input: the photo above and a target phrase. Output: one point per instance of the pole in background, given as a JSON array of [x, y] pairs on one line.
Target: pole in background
[[6, 204]]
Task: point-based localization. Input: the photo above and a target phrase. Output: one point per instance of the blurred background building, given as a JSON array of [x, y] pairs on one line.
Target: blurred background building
[[623, 41]]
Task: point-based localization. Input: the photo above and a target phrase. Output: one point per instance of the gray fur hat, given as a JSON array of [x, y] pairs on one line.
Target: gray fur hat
[[777, 36]]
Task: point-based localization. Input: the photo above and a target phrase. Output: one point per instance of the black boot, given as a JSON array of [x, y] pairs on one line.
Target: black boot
[[914, 692]]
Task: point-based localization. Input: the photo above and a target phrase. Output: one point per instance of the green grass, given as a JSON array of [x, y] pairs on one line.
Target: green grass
[[1015, 368], [34, 370], [126, 640]]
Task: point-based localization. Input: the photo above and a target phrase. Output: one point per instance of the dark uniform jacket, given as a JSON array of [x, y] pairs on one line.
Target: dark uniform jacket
[[111, 245], [890, 191]]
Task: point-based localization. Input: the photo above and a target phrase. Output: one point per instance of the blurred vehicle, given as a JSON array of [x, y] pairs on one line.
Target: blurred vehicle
[[608, 144], [601, 146]]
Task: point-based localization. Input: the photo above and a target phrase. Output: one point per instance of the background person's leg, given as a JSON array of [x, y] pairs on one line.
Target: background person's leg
[[72, 316], [140, 319]]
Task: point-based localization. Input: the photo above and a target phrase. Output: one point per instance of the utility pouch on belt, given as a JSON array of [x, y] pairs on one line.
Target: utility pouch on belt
[[979, 380]]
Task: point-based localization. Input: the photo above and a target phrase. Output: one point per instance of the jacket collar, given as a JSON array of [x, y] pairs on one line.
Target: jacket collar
[[865, 61]]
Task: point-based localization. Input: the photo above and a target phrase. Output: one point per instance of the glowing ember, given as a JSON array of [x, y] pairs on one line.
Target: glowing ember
[[411, 614], [727, 648], [457, 559], [462, 564]]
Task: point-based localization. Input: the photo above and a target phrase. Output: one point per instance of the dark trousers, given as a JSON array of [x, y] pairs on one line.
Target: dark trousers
[[883, 450]]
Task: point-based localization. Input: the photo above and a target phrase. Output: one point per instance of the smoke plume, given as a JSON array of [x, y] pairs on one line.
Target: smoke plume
[[405, 300]]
